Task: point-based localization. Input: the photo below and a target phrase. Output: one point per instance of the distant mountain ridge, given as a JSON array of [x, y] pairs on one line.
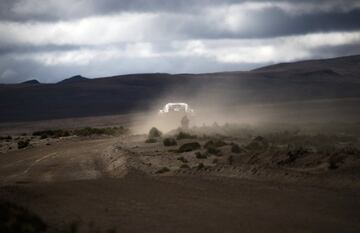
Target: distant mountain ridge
[[79, 96], [33, 81], [341, 65], [330, 66], [74, 79]]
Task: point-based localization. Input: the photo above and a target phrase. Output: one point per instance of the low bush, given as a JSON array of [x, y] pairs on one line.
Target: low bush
[[23, 144], [151, 140], [350, 150], [57, 133], [199, 155], [296, 152], [214, 143], [182, 159], [169, 142], [189, 147], [184, 166], [258, 143], [5, 138], [200, 166], [182, 135], [293, 154], [154, 133], [162, 170], [334, 161], [231, 160], [88, 131], [332, 165], [235, 148], [213, 151]]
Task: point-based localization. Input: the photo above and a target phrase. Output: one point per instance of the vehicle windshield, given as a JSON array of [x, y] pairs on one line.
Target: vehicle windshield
[[177, 108]]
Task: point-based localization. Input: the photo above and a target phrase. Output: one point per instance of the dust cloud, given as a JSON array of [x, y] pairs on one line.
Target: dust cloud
[[214, 104], [211, 104]]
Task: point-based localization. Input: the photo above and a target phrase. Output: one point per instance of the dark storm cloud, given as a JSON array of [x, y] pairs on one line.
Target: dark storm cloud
[[54, 39], [187, 19], [266, 24], [334, 51], [21, 49], [275, 22], [52, 10]]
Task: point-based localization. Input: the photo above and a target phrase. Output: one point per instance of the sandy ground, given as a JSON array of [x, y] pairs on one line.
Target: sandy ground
[[139, 203]]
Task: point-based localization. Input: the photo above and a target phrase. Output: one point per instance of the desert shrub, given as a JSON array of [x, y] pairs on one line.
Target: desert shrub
[[200, 166], [62, 133], [154, 133], [293, 153], [184, 166], [231, 160], [200, 155], [214, 143], [7, 138], [345, 150], [334, 161], [17, 219], [350, 150], [23, 144], [296, 152], [88, 131], [189, 147], [235, 148], [326, 149], [215, 160], [120, 130], [151, 140], [332, 165], [258, 143], [57, 133], [169, 142], [213, 151], [182, 159], [183, 135], [162, 170]]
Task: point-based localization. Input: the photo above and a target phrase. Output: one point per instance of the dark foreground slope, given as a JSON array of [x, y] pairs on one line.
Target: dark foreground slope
[[188, 204], [310, 80]]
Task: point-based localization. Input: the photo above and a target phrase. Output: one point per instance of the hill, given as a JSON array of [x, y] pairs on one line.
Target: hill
[[347, 66], [79, 96], [33, 81], [74, 79]]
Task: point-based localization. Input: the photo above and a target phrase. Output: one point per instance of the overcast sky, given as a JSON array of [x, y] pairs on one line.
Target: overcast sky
[[55, 39]]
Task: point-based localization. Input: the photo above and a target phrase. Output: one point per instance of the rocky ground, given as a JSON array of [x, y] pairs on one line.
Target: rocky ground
[[206, 179]]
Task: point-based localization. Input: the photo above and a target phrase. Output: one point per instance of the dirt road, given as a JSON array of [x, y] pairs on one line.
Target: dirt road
[[68, 160], [72, 183]]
